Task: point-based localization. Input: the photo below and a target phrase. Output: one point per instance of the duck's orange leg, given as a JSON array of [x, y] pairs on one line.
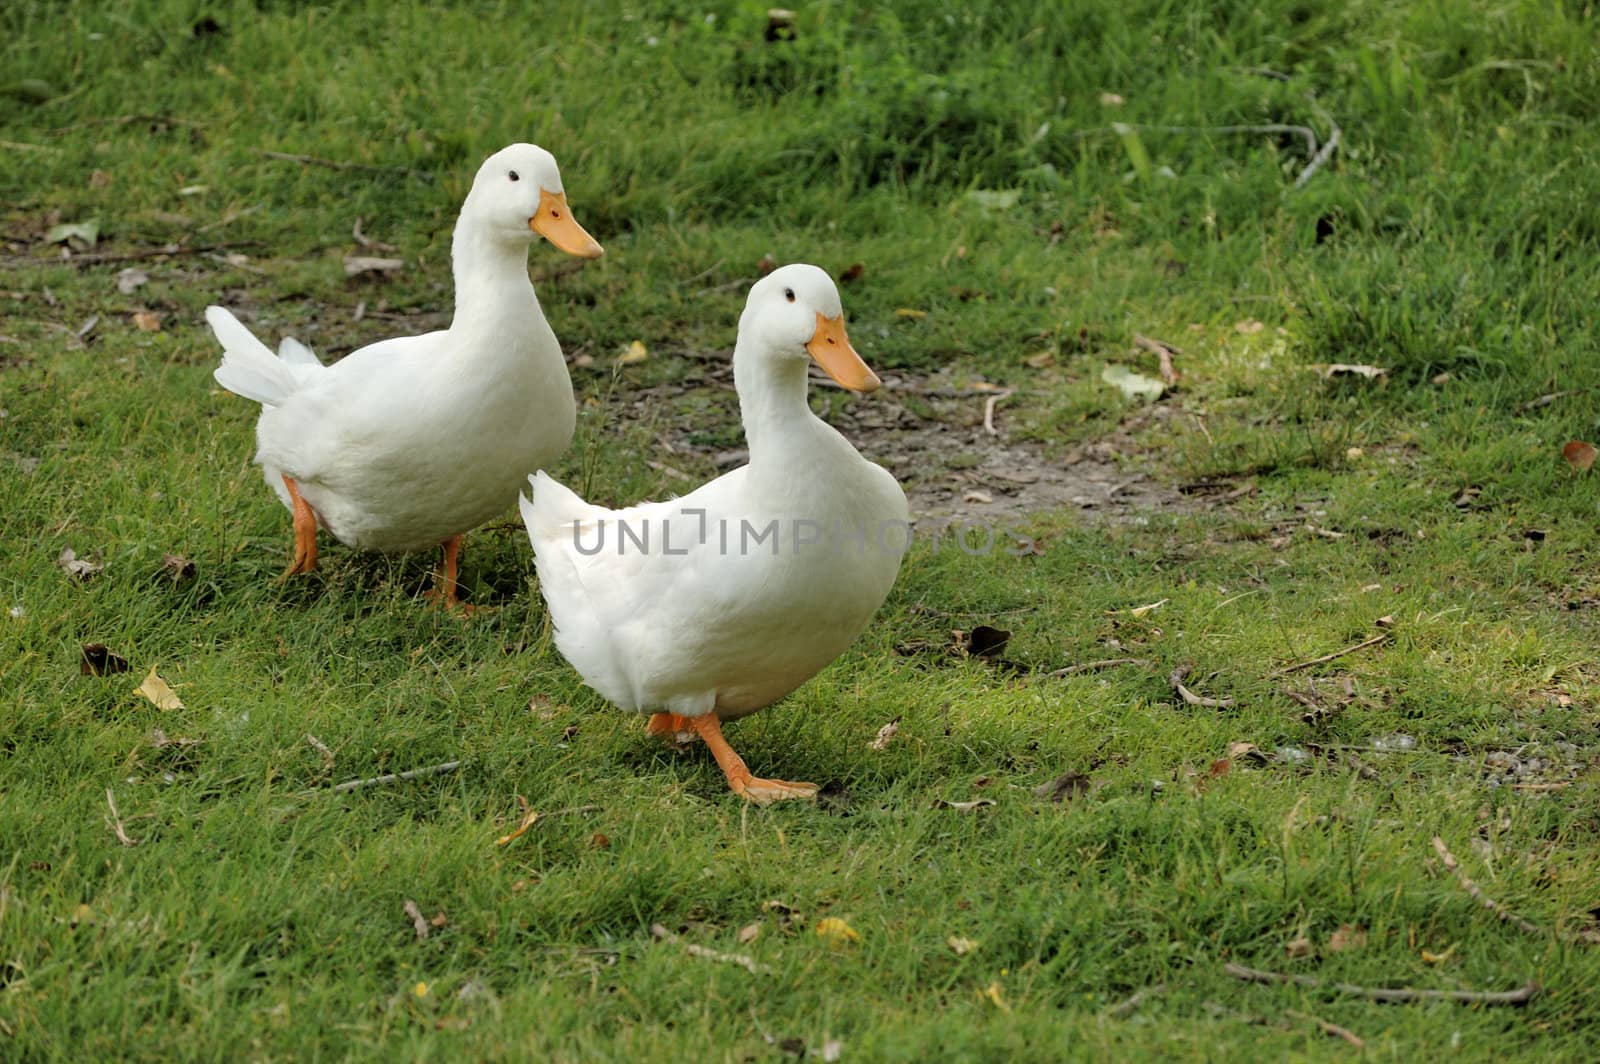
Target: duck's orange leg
[[754, 788], [673, 730], [444, 581], [305, 532]]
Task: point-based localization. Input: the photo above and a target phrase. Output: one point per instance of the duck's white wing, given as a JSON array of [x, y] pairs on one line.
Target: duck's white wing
[[626, 587], [336, 416]]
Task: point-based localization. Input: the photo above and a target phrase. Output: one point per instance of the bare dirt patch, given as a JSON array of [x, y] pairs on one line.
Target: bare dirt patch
[[931, 435]]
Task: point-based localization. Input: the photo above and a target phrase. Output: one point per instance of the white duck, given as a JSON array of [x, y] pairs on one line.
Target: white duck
[[411, 442], [709, 607]]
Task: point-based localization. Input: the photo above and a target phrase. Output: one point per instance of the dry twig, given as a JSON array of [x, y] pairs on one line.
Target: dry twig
[[1476, 891], [335, 164], [1329, 1028], [1189, 697], [1520, 996], [1129, 1005], [97, 258], [1297, 666], [1095, 666], [988, 411], [396, 777], [1164, 353], [116, 821]]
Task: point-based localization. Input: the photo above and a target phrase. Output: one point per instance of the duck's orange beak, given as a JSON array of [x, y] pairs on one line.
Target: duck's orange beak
[[554, 222], [831, 348]]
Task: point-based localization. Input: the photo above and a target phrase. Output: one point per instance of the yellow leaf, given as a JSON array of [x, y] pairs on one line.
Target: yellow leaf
[[636, 352], [991, 993], [837, 931], [907, 312], [157, 690], [527, 822], [1429, 957]]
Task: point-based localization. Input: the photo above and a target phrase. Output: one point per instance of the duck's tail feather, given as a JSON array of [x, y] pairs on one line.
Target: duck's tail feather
[[249, 368]]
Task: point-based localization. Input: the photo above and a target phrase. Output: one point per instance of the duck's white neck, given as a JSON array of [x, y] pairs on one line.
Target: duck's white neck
[[772, 404], [491, 276]]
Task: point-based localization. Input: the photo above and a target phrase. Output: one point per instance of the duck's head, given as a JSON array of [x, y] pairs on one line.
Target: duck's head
[[518, 193], [794, 313]]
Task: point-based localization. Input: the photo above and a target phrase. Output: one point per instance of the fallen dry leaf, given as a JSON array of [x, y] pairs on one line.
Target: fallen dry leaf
[[963, 807], [600, 841], [1067, 785], [177, 567], [635, 353], [1242, 749], [986, 641], [129, 280], [836, 931], [418, 924], [885, 734], [1347, 937], [1579, 455], [1248, 327], [853, 272], [1133, 385], [748, 933], [1140, 611], [832, 1050], [529, 817], [1299, 947], [1220, 767], [159, 692], [991, 994], [99, 661], [961, 946], [1110, 99], [1429, 957], [72, 565], [355, 265], [146, 321], [1345, 369], [1043, 360], [908, 312], [766, 264]]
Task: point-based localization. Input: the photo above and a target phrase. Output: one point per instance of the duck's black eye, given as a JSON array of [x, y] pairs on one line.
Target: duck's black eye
[[515, 176], [788, 293]]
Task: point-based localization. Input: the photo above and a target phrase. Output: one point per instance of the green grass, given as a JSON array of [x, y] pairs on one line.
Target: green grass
[[1452, 239]]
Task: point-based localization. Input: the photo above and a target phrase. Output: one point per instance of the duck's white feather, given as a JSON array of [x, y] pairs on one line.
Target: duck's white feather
[[698, 607], [407, 442]]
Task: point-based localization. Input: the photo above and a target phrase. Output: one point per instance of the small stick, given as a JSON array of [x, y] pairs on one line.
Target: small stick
[[322, 748], [1164, 353], [1129, 1005], [1189, 697], [1506, 915], [1297, 666], [334, 164], [1520, 996], [395, 777], [98, 257], [1329, 1028], [988, 411], [1093, 666], [1321, 157], [1545, 400], [116, 821], [419, 923]]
